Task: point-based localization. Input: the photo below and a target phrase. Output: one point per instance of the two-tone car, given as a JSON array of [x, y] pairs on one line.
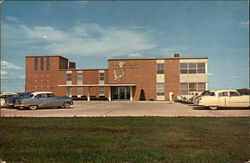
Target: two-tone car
[[4, 96], [224, 98], [43, 99]]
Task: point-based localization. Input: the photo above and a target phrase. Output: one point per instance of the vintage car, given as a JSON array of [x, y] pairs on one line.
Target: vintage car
[[4, 96], [43, 99], [224, 98], [195, 98]]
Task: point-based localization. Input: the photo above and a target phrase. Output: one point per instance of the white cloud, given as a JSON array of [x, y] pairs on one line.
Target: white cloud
[[2, 72], [210, 74], [244, 23], [8, 65], [12, 19], [81, 39], [135, 55]]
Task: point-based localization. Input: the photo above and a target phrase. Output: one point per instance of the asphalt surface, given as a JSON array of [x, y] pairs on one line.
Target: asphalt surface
[[127, 108]]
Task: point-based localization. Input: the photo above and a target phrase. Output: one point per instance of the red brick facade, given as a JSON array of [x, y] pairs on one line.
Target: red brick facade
[[51, 75]]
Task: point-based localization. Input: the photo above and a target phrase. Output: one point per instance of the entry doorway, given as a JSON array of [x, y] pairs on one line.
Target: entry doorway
[[120, 93]]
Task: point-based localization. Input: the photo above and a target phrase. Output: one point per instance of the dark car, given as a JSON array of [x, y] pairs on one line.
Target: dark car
[[10, 101]]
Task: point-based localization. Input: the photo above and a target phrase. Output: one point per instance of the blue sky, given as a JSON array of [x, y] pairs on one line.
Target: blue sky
[[91, 32]]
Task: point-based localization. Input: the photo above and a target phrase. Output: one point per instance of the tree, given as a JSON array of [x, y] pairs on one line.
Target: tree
[[142, 95]]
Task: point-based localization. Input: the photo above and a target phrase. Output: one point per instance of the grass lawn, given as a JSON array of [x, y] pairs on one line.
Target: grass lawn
[[146, 139]]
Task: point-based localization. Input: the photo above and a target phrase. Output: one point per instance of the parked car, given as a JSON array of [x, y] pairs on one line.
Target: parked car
[[43, 99], [4, 96], [10, 101], [195, 98], [224, 98]]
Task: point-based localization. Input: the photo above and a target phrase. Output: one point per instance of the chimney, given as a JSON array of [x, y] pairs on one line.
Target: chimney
[[176, 55]]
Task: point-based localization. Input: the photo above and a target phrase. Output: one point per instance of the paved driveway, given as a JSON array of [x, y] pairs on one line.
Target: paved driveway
[[126, 108]]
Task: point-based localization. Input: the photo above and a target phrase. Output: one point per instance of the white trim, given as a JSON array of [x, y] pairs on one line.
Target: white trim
[[68, 72], [101, 71], [160, 61]]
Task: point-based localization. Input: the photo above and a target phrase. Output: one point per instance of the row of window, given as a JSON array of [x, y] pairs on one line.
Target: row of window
[[185, 68], [42, 63], [80, 77], [79, 91], [192, 68], [186, 87]]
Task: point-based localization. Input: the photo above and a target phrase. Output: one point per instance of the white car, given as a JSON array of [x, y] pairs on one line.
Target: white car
[[5, 95], [224, 98]]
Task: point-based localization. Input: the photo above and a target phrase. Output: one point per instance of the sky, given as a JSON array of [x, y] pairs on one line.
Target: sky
[[92, 32]]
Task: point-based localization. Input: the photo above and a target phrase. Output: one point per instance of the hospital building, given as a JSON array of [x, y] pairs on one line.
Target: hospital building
[[124, 79]]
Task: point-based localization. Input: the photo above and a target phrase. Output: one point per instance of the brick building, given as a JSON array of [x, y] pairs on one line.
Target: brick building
[[125, 79]]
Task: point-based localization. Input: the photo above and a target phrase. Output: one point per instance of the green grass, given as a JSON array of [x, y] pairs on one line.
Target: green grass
[[175, 140]]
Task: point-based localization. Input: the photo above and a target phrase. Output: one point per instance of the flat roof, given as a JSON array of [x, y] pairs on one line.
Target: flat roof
[[172, 58], [95, 69], [95, 85], [46, 56]]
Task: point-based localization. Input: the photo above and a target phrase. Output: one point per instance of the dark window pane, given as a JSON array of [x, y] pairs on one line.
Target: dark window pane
[[184, 71], [192, 71], [160, 68], [183, 66], [201, 71], [201, 65], [36, 63], [69, 77], [201, 86], [223, 94], [192, 65], [192, 86], [233, 94]]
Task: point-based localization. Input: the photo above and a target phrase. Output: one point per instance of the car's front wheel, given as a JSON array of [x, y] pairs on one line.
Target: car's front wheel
[[33, 107], [66, 105], [213, 107]]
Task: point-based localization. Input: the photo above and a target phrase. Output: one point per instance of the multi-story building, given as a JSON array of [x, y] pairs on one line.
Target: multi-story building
[[125, 78]]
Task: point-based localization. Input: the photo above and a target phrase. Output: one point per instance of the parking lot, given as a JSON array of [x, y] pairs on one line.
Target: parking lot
[[127, 108]]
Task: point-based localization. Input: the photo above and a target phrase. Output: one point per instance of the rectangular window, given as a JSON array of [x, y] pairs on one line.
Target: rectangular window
[[47, 63], [160, 68], [101, 76], [101, 91], [79, 77], [192, 86], [160, 89], [36, 63], [68, 77], [41, 63], [184, 68], [201, 86], [201, 68], [79, 91], [192, 68], [69, 92], [184, 88]]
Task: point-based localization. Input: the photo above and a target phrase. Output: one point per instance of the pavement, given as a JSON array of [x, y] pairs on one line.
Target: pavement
[[127, 108]]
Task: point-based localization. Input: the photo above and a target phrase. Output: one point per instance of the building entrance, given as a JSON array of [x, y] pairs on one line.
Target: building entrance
[[120, 93]]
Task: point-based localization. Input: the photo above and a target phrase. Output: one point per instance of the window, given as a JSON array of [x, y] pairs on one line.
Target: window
[[47, 63], [160, 68], [184, 88], [69, 92], [201, 68], [41, 63], [44, 95], [69, 77], [201, 86], [223, 94], [36, 63], [233, 94], [101, 91], [192, 68], [101, 76], [192, 86], [160, 89], [50, 95], [79, 91], [79, 77]]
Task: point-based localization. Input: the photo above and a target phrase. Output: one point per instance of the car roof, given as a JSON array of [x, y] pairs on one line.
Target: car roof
[[36, 93], [8, 93], [224, 90]]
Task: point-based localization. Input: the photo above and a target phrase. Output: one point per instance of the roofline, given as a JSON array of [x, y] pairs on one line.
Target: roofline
[[175, 58], [46, 56]]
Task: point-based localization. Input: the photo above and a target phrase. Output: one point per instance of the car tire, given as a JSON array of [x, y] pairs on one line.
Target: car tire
[[213, 107], [33, 107], [66, 105]]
